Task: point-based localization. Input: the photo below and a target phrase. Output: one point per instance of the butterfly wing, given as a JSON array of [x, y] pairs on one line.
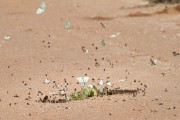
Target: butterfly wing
[[82, 79], [41, 8]]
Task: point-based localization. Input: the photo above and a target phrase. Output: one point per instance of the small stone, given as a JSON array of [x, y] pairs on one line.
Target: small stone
[[160, 103], [165, 90], [175, 54]]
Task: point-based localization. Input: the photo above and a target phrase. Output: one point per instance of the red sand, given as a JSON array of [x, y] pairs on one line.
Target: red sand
[[42, 48]]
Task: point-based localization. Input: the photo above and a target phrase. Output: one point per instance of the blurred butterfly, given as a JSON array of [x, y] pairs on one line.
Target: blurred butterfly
[[108, 83], [115, 35], [101, 82], [46, 81], [82, 80], [41, 9], [90, 86], [62, 92], [7, 37]]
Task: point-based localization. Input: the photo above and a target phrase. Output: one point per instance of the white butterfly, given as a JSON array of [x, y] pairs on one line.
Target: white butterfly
[[108, 83], [90, 86], [153, 60], [46, 81], [7, 37], [115, 35], [63, 92], [101, 82], [122, 80], [41, 9], [82, 79]]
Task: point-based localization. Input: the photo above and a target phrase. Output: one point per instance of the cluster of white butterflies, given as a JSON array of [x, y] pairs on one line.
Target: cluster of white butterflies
[[84, 80]]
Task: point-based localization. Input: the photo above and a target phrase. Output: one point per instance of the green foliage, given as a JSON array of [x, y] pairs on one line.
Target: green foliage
[[84, 93]]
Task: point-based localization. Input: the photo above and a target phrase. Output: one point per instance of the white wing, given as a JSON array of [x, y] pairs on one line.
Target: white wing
[[82, 79], [46, 81], [101, 82], [109, 83], [43, 5], [122, 80], [115, 35], [41, 9]]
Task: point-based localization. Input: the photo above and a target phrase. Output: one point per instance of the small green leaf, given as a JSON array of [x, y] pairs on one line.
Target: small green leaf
[[94, 92], [84, 93]]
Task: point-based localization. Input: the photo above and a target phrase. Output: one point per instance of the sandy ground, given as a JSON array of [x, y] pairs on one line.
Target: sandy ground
[[41, 48]]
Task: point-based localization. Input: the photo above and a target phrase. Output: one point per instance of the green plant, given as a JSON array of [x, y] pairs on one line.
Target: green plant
[[84, 93]]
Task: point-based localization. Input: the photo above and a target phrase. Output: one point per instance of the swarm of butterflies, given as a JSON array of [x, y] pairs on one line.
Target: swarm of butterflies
[[103, 89], [88, 91]]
